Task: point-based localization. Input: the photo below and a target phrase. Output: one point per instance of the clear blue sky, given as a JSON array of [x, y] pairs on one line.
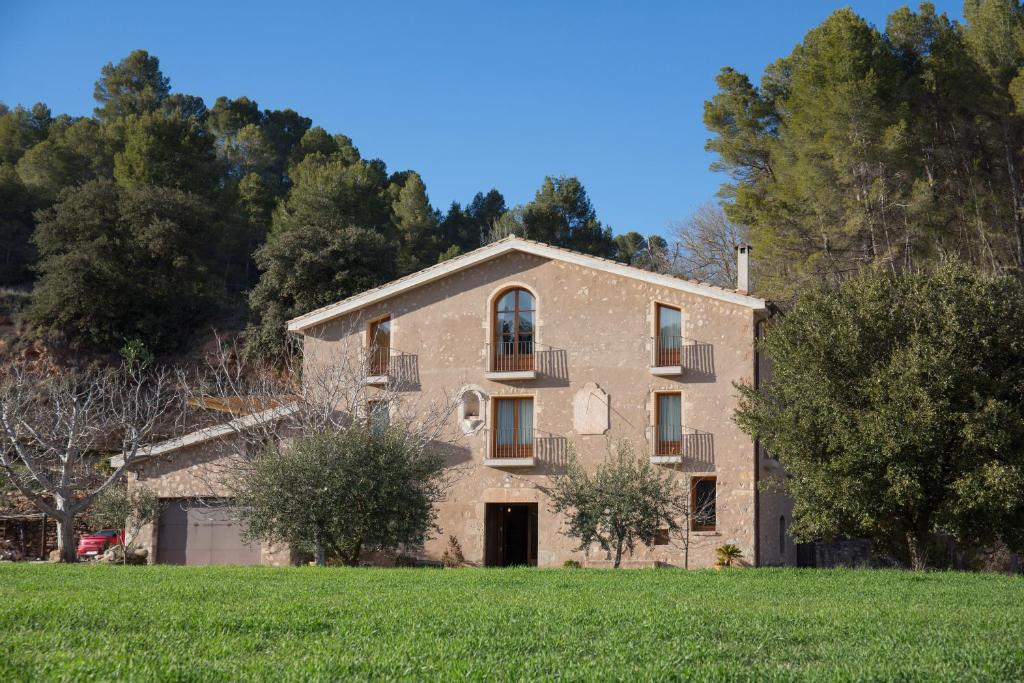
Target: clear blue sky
[[472, 95]]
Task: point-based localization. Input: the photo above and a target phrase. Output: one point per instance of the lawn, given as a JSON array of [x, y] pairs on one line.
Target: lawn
[[174, 623]]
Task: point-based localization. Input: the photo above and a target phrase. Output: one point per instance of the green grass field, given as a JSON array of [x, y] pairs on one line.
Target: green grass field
[[172, 623]]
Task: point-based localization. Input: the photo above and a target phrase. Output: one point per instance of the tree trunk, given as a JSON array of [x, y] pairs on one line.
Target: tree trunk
[[320, 555], [319, 546], [618, 554], [1015, 194], [66, 540], [686, 546]]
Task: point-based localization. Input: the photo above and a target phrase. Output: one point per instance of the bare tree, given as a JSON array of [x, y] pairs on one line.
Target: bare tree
[[704, 247], [505, 225], [55, 429], [689, 512], [324, 390]]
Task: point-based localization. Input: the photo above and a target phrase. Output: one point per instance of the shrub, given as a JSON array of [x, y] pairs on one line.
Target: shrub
[[341, 492], [728, 555], [453, 557]]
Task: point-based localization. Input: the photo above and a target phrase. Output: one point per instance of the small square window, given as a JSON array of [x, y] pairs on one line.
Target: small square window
[[661, 537]]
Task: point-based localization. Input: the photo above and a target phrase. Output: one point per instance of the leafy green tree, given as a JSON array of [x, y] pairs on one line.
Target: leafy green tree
[[75, 151], [342, 492], [415, 222], [285, 129], [630, 248], [166, 151], [561, 214], [896, 405], [310, 266], [119, 263], [117, 507], [465, 229], [16, 225], [135, 85], [21, 129], [864, 147], [331, 237], [185, 106], [625, 502]]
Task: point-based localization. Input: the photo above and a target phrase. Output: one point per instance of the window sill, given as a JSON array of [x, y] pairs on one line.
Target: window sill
[[516, 376], [666, 459], [377, 379], [509, 462], [666, 370]]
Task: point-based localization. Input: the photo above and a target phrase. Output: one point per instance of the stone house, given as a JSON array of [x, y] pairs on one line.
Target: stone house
[[548, 352]]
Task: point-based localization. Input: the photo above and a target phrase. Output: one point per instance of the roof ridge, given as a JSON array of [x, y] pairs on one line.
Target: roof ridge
[[295, 324]]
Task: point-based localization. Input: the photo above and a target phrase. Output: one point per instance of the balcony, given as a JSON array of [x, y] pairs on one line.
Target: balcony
[[512, 361], [512, 447], [674, 356], [677, 445], [667, 356], [389, 366]]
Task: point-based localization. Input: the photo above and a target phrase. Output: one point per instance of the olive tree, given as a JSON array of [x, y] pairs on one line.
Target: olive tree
[[343, 492], [624, 502], [896, 405], [119, 507]]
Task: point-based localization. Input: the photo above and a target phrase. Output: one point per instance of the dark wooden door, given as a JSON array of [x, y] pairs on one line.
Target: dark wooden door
[[511, 535]]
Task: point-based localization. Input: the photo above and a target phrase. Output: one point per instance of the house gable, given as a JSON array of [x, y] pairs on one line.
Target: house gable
[[500, 248]]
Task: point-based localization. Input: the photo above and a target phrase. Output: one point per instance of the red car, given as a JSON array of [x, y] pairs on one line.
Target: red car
[[98, 542]]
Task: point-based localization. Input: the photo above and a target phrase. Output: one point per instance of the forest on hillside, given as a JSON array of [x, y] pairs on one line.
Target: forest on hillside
[[160, 216], [894, 147]]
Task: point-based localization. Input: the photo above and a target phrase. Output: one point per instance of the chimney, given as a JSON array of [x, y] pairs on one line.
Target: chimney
[[743, 269]]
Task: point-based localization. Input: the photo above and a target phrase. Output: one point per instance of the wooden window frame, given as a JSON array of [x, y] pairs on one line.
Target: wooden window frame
[[514, 362], [694, 525], [666, 357], [678, 448], [513, 450], [375, 404], [377, 366]]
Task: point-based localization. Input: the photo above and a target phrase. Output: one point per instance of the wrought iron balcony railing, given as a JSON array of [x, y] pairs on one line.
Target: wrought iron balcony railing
[[668, 351], [390, 363], [512, 356], [678, 440], [512, 442]]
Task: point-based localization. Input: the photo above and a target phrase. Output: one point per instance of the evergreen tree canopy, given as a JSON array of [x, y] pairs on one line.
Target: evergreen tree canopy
[[290, 213], [561, 214], [331, 237], [135, 85], [896, 405], [865, 146], [121, 263]]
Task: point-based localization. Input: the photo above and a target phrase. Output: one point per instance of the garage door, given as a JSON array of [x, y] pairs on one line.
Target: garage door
[[199, 533]]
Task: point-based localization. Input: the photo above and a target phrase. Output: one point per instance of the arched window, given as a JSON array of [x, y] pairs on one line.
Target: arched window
[[782, 534], [513, 331]]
